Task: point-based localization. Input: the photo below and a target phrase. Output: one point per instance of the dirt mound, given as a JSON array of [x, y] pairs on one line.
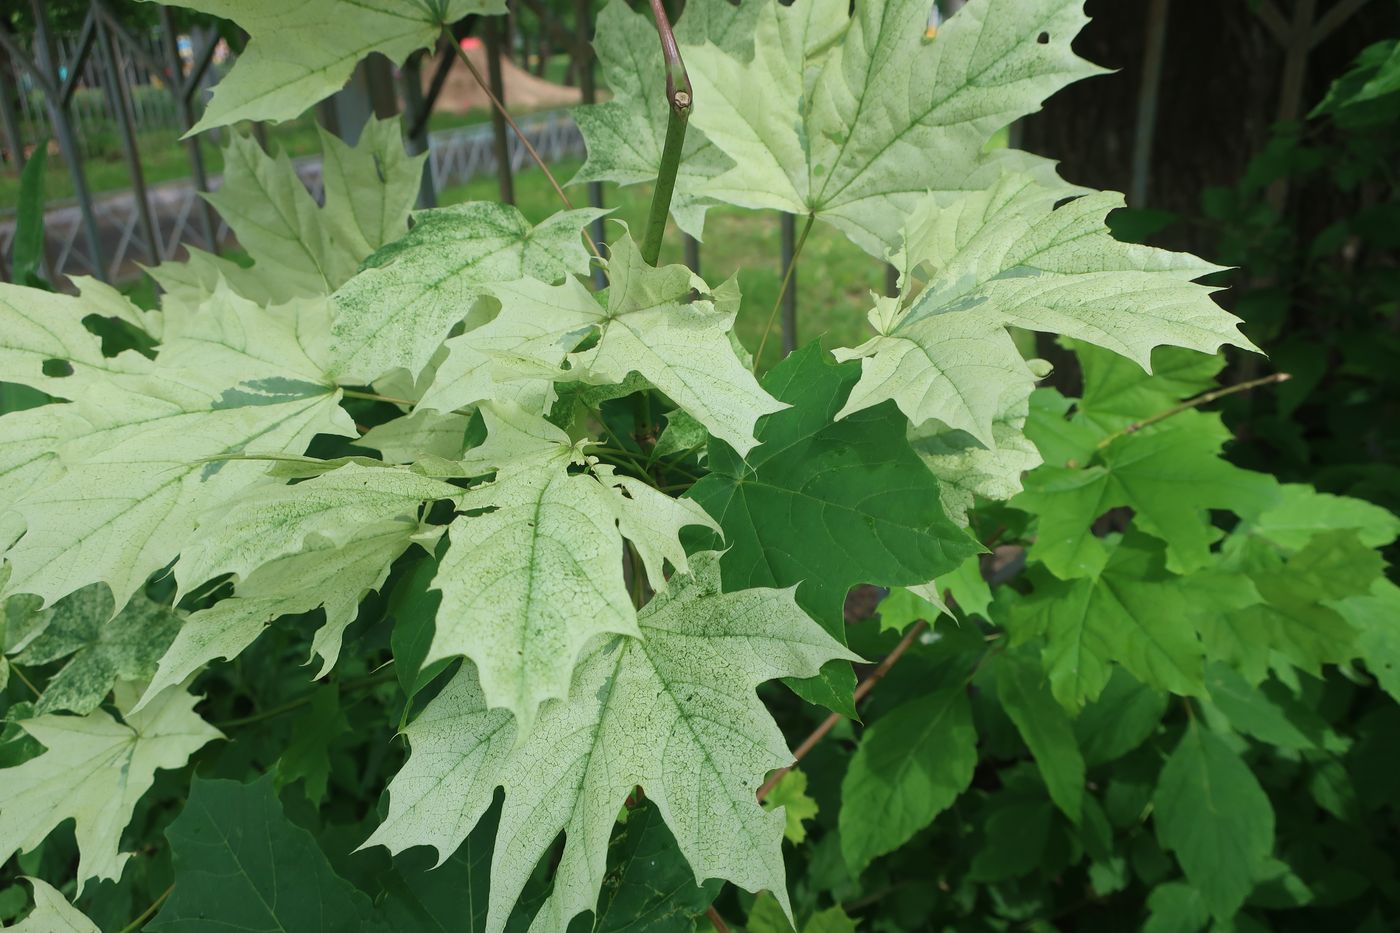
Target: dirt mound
[[523, 91]]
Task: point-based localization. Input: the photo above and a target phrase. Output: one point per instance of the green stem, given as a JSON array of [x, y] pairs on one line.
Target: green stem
[[376, 397], [350, 686], [679, 97], [149, 912], [25, 680], [1203, 399], [782, 289]]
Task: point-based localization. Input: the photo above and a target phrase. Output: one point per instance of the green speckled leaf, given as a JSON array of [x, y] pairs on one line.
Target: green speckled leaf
[[672, 710]]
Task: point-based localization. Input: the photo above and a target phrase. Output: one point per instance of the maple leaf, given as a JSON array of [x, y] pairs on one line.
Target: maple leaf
[[665, 324], [399, 309], [44, 345], [1168, 474], [828, 504], [1009, 256], [269, 522], [52, 913], [1130, 612], [94, 771], [125, 648], [158, 448], [861, 116], [327, 575], [673, 710], [301, 53], [967, 470], [528, 583]]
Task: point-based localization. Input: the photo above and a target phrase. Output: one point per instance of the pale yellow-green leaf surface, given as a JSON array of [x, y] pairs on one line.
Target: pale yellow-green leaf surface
[[673, 710], [93, 771], [304, 50]]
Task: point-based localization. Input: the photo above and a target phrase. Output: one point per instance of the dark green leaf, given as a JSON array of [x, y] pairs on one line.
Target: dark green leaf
[[241, 865], [1210, 810], [828, 504]]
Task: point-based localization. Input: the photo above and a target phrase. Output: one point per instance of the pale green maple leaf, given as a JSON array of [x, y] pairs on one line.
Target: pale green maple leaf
[[94, 771], [125, 648], [106, 300], [857, 131], [967, 470], [302, 52], [1008, 256], [1169, 475], [1131, 613], [527, 584], [153, 450], [665, 324], [399, 309], [423, 433], [52, 913], [133, 486], [652, 521], [324, 575], [270, 522], [299, 248], [626, 134], [673, 711], [44, 345], [29, 444], [369, 188]]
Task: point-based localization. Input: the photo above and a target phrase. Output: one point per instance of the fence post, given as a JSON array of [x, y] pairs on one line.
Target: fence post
[[183, 89], [692, 252], [491, 30], [9, 121], [416, 125], [67, 146], [1148, 93], [121, 98], [588, 93]]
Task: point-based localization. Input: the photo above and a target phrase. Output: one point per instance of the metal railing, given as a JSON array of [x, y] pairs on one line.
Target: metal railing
[[175, 207]]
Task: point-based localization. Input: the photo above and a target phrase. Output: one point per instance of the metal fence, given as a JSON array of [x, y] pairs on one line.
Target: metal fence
[[108, 80], [454, 157]]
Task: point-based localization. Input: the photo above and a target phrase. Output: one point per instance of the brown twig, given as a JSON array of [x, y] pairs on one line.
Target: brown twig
[[529, 147], [1203, 399], [829, 723], [716, 919]]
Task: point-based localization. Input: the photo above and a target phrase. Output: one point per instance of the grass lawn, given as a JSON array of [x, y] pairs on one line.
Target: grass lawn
[[834, 278]]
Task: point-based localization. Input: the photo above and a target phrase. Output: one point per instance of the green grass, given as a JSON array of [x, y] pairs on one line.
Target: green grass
[[834, 278]]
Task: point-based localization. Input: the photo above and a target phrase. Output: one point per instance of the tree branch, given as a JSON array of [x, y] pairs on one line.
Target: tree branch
[[829, 723], [1203, 399], [529, 147]]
